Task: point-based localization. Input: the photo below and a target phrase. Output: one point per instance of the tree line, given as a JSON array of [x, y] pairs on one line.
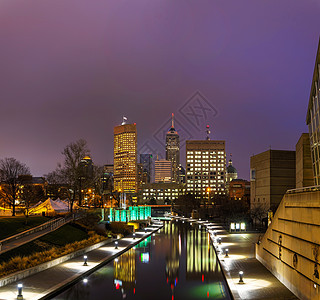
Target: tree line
[[70, 173]]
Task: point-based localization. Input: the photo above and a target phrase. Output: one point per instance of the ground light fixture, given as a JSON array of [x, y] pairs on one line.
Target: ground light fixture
[[241, 277], [20, 296], [134, 236], [85, 260], [219, 240], [116, 243], [226, 253], [85, 280]]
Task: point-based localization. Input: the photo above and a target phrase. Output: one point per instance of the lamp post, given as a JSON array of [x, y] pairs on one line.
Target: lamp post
[[116, 243], [219, 240], [85, 258], [227, 253], [241, 277], [20, 296], [134, 236]]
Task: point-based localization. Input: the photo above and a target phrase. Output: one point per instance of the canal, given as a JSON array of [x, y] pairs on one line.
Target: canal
[[178, 262]]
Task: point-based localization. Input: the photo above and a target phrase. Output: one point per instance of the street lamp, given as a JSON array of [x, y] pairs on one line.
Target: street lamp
[[227, 253], [241, 277], [20, 296], [219, 240], [116, 243], [134, 236], [85, 258]]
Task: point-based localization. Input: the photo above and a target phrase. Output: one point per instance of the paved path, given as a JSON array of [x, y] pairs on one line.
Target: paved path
[[24, 237], [259, 283], [44, 285]]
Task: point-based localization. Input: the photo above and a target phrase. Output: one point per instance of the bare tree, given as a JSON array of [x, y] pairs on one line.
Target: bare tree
[[30, 195], [70, 171], [10, 170], [259, 212]]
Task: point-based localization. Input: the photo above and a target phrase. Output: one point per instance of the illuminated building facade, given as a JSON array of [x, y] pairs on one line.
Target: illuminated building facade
[[313, 119], [173, 151], [205, 167], [125, 158], [163, 170], [162, 192]]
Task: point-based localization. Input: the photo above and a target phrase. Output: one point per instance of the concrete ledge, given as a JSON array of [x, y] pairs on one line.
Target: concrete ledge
[[25, 273]]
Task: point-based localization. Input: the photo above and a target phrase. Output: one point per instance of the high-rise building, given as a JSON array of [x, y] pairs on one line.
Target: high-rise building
[[146, 161], [313, 117], [163, 170], [273, 172], [173, 150], [125, 158], [206, 167], [86, 167]]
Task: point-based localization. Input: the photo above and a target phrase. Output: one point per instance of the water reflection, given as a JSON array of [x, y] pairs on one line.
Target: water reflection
[[178, 263]]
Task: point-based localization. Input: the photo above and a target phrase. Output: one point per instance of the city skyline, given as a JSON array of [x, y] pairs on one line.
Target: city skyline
[[252, 61]]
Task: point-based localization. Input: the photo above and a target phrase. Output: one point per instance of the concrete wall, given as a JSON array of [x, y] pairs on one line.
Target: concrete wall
[[290, 248], [304, 172], [25, 273]]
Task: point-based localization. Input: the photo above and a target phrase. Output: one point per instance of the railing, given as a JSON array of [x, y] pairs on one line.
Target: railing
[[314, 188], [52, 225]]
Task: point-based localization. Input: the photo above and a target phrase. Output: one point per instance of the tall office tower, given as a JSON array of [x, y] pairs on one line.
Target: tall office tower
[[206, 167], [125, 158], [173, 150], [86, 167], [313, 117], [163, 170], [146, 161]]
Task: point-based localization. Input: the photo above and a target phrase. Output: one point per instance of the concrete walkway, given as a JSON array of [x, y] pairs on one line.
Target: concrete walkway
[[29, 235], [259, 283], [45, 284]]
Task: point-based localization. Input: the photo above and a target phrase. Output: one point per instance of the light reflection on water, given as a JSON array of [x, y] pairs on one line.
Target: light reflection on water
[[177, 263]]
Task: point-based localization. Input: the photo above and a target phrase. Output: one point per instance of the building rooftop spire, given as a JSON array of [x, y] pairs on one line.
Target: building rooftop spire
[[172, 121], [208, 132]]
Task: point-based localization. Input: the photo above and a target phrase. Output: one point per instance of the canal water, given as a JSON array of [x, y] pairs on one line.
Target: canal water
[[178, 262]]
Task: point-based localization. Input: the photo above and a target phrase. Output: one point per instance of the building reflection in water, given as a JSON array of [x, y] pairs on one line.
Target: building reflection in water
[[201, 258], [124, 271], [173, 257]]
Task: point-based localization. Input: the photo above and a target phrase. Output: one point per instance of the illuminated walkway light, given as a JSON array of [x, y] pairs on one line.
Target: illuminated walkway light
[[219, 240], [85, 280], [20, 296], [241, 277], [227, 253], [134, 236], [85, 258], [116, 243]]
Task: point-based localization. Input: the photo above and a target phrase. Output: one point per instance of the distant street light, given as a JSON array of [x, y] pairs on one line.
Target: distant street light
[[227, 253], [116, 243], [134, 236], [85, 258]]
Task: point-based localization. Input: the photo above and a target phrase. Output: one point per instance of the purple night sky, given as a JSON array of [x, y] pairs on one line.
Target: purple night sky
[[71, 69]]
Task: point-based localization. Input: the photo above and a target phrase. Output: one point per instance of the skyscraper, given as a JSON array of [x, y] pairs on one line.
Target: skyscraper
[[125, 158], [173, 150], [205, 167], [146, 161], [313, 117], [163, 170]]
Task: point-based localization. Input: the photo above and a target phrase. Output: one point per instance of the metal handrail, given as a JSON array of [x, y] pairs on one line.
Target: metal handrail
[[313, 188], [52, 223]]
